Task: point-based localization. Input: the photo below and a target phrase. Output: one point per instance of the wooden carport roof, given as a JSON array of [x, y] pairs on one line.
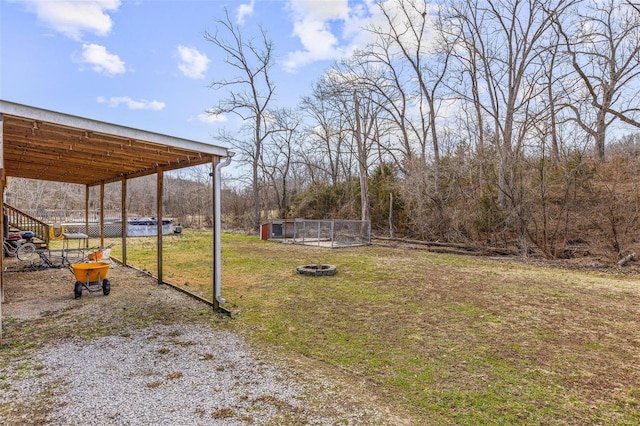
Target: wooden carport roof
[[52, 146], [47, 145]]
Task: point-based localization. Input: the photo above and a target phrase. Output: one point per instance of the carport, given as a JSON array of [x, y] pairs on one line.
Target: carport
[[52, 146]]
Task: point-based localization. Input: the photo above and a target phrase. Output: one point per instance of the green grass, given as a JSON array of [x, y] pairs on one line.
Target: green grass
[[451, 339]]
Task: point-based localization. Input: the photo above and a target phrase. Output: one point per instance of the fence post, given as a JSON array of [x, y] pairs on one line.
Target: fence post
[[332, 232]]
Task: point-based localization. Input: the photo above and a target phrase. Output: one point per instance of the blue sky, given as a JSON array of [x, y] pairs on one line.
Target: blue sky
[[147, 65]]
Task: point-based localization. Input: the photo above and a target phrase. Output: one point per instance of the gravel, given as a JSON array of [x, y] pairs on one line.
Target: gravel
[[179, 375]]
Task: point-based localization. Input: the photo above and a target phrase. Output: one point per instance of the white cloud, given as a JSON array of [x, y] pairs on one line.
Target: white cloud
[[72, 18], [115, 101], [327, 30], [101, 60], [193, 64], [244, 10], [320, 10], [205, 117]]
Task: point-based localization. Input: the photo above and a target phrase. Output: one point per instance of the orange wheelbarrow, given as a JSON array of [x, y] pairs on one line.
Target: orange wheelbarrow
[[92, 277]]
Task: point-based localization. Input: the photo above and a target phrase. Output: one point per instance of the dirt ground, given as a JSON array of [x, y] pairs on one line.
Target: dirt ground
[[33, 294]]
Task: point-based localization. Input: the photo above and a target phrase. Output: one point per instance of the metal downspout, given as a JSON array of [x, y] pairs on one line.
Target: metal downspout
[[216, 220]]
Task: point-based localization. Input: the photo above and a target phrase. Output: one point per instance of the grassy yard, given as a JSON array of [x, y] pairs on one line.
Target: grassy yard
[[451, 339]]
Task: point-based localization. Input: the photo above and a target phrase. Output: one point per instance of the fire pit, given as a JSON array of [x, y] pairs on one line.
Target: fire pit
[[317, 270]]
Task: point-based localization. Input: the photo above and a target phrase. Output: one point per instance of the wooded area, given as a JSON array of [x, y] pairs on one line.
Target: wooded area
[[498, 123], [488, 122]]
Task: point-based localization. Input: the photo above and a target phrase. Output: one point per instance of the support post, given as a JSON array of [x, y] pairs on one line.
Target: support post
[[214, 247], [86, 211], [125, 220], [1, 233], [217, 261], [2, 185], [159, 188], [101, 214], [333, 235]]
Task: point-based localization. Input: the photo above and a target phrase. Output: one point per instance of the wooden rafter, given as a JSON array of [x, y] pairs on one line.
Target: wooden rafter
[[63, 151]]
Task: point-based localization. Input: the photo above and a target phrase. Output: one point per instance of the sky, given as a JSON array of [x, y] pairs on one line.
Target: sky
[[146, 63]]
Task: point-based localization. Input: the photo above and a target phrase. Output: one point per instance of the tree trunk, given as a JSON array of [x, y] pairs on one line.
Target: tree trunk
[[600, 135], [391, 231], [362, 164]]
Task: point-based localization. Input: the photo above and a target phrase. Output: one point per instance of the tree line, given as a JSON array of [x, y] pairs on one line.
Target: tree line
[[500, 122]]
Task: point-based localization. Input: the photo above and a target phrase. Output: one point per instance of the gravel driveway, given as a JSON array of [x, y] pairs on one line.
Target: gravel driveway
[[147, 354]]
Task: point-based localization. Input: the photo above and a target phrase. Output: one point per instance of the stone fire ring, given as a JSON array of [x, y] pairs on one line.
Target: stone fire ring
[[317, 270]]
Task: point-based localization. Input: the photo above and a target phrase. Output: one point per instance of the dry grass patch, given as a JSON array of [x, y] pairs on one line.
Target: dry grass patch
[[223, 413], [452, 339]]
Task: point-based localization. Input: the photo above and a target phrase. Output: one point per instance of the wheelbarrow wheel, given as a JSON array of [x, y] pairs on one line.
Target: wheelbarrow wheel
[[77, 290], [106, 287]]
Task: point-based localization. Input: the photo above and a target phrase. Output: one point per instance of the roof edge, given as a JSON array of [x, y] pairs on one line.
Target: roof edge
[[26, 111]]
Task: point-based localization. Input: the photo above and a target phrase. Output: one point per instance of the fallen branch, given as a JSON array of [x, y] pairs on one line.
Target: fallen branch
[[451, 248], [628, 258]]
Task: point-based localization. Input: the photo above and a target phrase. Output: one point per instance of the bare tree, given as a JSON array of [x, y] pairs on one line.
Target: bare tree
[[551, 72], [508, 38], [249, 95], [326, 156], [188, 196], [361, 111], [466, 87], [279, 152], [604, 49], [416, 63]]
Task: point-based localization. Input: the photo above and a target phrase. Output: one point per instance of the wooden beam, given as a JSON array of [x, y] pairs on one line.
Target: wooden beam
[[2, 185], [101, 215], [123, 207], [86, 209]]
